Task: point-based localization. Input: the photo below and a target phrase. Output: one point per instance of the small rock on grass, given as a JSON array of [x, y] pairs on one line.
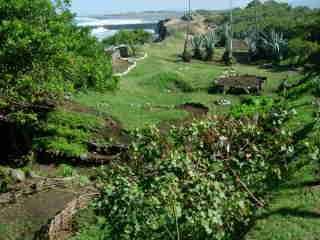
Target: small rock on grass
[[17, 175]]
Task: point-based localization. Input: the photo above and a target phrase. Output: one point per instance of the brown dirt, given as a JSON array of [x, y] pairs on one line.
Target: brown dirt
[[120, 66], [196, 109], [23, 219], [244, 82], [198, 26]]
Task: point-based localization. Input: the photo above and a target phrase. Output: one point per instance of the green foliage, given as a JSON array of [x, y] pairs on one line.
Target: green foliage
[[197, 42], [300, 50], [251, 106], [185, 185], [270, 15], [267, 45], [209, 42], [65, 170], [43, 57], [66, 134], [131, 38], [4, 180], [275, 45]]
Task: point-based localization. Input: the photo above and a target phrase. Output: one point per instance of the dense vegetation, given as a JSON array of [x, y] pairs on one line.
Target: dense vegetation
[[43, 58], [201, 181]]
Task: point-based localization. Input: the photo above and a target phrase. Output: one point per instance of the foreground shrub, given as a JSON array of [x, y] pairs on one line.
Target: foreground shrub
[[201, 181]]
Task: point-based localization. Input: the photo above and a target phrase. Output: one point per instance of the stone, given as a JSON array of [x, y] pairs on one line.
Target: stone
[[17, 175], [84, 157], [31, 174], [223, 102]]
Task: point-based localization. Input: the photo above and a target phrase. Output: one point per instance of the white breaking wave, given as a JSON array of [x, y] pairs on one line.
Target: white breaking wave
[[102, 33], [89, 22]]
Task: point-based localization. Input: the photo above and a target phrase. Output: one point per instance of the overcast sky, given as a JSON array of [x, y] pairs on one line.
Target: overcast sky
[[84, 7]]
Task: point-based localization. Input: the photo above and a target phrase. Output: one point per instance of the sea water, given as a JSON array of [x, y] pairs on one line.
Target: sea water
[[101, 32], [97, 22]]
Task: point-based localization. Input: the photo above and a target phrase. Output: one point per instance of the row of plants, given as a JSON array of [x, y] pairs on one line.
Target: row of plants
[[204, 180], [267, 45], [203, 46]]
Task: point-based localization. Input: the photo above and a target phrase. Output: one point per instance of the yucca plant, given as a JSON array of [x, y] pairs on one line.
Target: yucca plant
[[251, 39], [275, 44], [209, 42], [228, 54], [196, 43]]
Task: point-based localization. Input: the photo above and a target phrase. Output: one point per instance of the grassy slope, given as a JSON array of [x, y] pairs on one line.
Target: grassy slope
[[136, 103], [294, 213]]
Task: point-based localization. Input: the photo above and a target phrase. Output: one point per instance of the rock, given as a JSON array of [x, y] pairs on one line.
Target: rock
[[223, 102], [31, 174], [17, 175], [84, 157]]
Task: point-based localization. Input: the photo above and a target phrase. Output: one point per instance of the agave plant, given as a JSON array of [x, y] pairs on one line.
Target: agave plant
[[197, 42], [276, 44], [251, 39], [228, 54], [209, 42]]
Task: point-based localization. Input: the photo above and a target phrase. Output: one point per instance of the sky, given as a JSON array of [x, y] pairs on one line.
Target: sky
[[86, 7]]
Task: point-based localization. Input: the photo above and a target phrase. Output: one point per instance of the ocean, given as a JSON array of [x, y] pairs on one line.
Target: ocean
[[97, 22]]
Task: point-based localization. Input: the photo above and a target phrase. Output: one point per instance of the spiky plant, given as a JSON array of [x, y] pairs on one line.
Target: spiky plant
[[209, 42], [228, 54], [276, 44], [196, 43]]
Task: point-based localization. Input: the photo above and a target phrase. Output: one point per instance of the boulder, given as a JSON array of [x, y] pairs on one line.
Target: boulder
[[17, 175]]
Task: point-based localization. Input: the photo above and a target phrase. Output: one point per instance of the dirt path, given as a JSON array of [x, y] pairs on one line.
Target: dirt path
[[21, 220]]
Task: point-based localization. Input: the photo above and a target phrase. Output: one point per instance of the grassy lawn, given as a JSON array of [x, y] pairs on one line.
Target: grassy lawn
[[294, 213], [147, 97]]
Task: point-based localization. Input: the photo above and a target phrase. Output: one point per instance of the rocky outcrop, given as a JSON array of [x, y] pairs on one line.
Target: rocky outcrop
[[59, 227]]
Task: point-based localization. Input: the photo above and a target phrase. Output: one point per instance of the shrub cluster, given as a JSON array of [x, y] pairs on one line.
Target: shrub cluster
[[44, 55], [200, 181]]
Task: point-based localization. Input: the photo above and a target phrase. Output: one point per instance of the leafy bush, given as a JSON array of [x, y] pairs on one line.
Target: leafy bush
[[206, 42], [197, 42], [131, 38], [275, 45], [43, 54], [300, 50], [66, 134], [209, 42], [251, 106], [4, 180], [43, 57], [200, 181], [65, 170]]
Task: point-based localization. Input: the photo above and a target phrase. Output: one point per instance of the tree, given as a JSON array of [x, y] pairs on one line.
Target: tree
[[186, 56], [43, 58]]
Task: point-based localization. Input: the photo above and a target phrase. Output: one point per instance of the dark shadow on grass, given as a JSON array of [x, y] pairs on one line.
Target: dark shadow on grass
[[242, 57], [280, 68], [304, 132], [291, 212]]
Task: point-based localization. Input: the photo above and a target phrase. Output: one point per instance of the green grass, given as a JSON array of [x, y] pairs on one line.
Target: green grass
[[149, 94], [294, 213]]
